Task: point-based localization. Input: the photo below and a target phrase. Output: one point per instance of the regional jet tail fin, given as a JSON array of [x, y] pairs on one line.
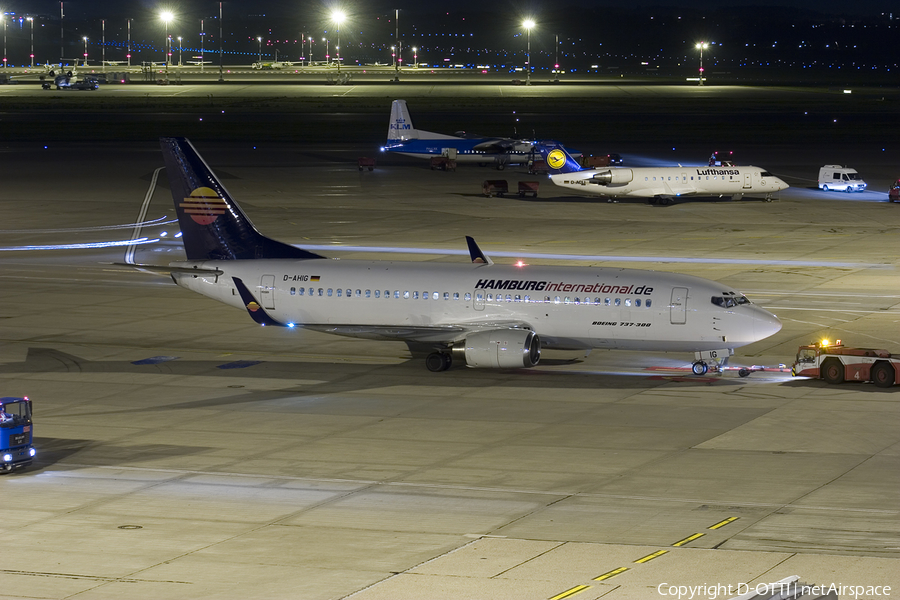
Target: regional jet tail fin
[[213, 226], [557, 158], [401, 126]]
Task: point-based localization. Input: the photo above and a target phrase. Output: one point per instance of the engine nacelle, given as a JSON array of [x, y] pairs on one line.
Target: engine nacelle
[[502, 349], [613, 176]]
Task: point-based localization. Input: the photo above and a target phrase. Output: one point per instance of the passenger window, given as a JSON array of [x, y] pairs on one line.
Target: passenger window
[[637, 301], [490, 297], [647, 303], [618, 301], [606, 301], [556, 300], [368, 294], [518, 298], [321, 292], [546, 299], [424, 295], [415, 295], [567, 300], [397, 293], [293, 291], [358, 293], [508, 298], [577, 300], [627, 301], [406, 295], [339, 293], [301, 290], [478, 297], [377, 293], [329, 292], [597, 301], [446, 295], [527, 298], [468, 296], [456, 295]]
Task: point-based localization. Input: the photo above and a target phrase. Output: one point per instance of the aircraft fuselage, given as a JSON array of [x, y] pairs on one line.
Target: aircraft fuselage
[[569, 307], [649, 182]]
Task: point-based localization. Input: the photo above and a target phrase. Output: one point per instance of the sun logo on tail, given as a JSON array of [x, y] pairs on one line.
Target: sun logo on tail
[[556, 159], [204, 206]]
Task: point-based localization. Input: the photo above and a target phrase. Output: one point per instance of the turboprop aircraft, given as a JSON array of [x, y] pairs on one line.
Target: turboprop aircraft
[[477, 313], [660, 185], [403, 138]]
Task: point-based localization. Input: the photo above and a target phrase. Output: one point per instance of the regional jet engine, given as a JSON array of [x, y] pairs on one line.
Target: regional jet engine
[[613, 176]]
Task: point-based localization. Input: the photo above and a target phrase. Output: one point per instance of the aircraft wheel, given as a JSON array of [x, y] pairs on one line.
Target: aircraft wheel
[[883, 375], [699, 368], [743, 372], [436, 362], [500, 166], [833, 371], [448, 360]]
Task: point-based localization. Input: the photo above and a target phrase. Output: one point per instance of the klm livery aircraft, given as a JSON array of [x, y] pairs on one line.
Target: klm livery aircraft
[[403, 138], [658, 184], [475, 313]]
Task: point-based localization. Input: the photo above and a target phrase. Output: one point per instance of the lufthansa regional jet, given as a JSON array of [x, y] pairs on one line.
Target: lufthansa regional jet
[[477, 313], [403, 138], [658, 184]]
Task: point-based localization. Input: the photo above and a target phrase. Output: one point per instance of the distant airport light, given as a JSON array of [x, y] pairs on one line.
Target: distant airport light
[[701, 46], [528, 25]]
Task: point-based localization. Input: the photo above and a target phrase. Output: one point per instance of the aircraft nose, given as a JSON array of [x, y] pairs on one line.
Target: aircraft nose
[[765, 324]]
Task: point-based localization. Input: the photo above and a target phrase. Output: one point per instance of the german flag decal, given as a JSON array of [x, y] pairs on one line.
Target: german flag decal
[[204, 206]]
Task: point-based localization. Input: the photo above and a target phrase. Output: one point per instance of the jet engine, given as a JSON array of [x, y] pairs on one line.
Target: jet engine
[[613, 176], [501, 349]]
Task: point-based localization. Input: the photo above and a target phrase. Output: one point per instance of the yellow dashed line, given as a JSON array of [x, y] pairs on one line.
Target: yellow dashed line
[[689, 539], [650, 557], [569, 593], [612, 573], [724, 523]]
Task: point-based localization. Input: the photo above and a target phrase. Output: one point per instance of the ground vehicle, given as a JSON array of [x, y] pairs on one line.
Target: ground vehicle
[[840, 179], [16, 434], [894, 192], [836, 363]]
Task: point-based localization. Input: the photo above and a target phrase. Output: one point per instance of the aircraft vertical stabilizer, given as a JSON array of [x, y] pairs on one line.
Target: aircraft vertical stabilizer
[[401, 125], [213, 226], [557, 158]]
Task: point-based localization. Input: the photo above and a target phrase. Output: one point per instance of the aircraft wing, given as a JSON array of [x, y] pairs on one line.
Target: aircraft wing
[[497, 145], [436, 334]]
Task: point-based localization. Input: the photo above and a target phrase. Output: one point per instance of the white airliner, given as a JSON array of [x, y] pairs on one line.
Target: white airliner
[[477, 313], [659, 184], [403, 138]]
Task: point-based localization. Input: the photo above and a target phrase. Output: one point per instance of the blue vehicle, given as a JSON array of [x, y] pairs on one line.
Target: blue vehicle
[[16, 434]]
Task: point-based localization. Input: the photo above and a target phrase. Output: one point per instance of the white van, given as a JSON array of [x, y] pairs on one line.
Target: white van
[[841, 179]]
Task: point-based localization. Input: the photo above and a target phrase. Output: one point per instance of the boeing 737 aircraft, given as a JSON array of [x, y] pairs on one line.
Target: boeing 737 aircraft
[[403, 138], [658, 184], [478, 313]]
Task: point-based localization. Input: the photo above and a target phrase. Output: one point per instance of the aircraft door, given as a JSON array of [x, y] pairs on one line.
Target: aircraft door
[[678, 306], [478, 299], [748, 182], [267, 292]]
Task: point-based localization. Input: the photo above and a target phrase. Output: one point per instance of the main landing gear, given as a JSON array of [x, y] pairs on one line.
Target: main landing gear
[[438, 361]]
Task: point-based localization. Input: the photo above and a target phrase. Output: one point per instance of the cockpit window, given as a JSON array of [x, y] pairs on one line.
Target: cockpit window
[[765, 174], [730, 300]]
